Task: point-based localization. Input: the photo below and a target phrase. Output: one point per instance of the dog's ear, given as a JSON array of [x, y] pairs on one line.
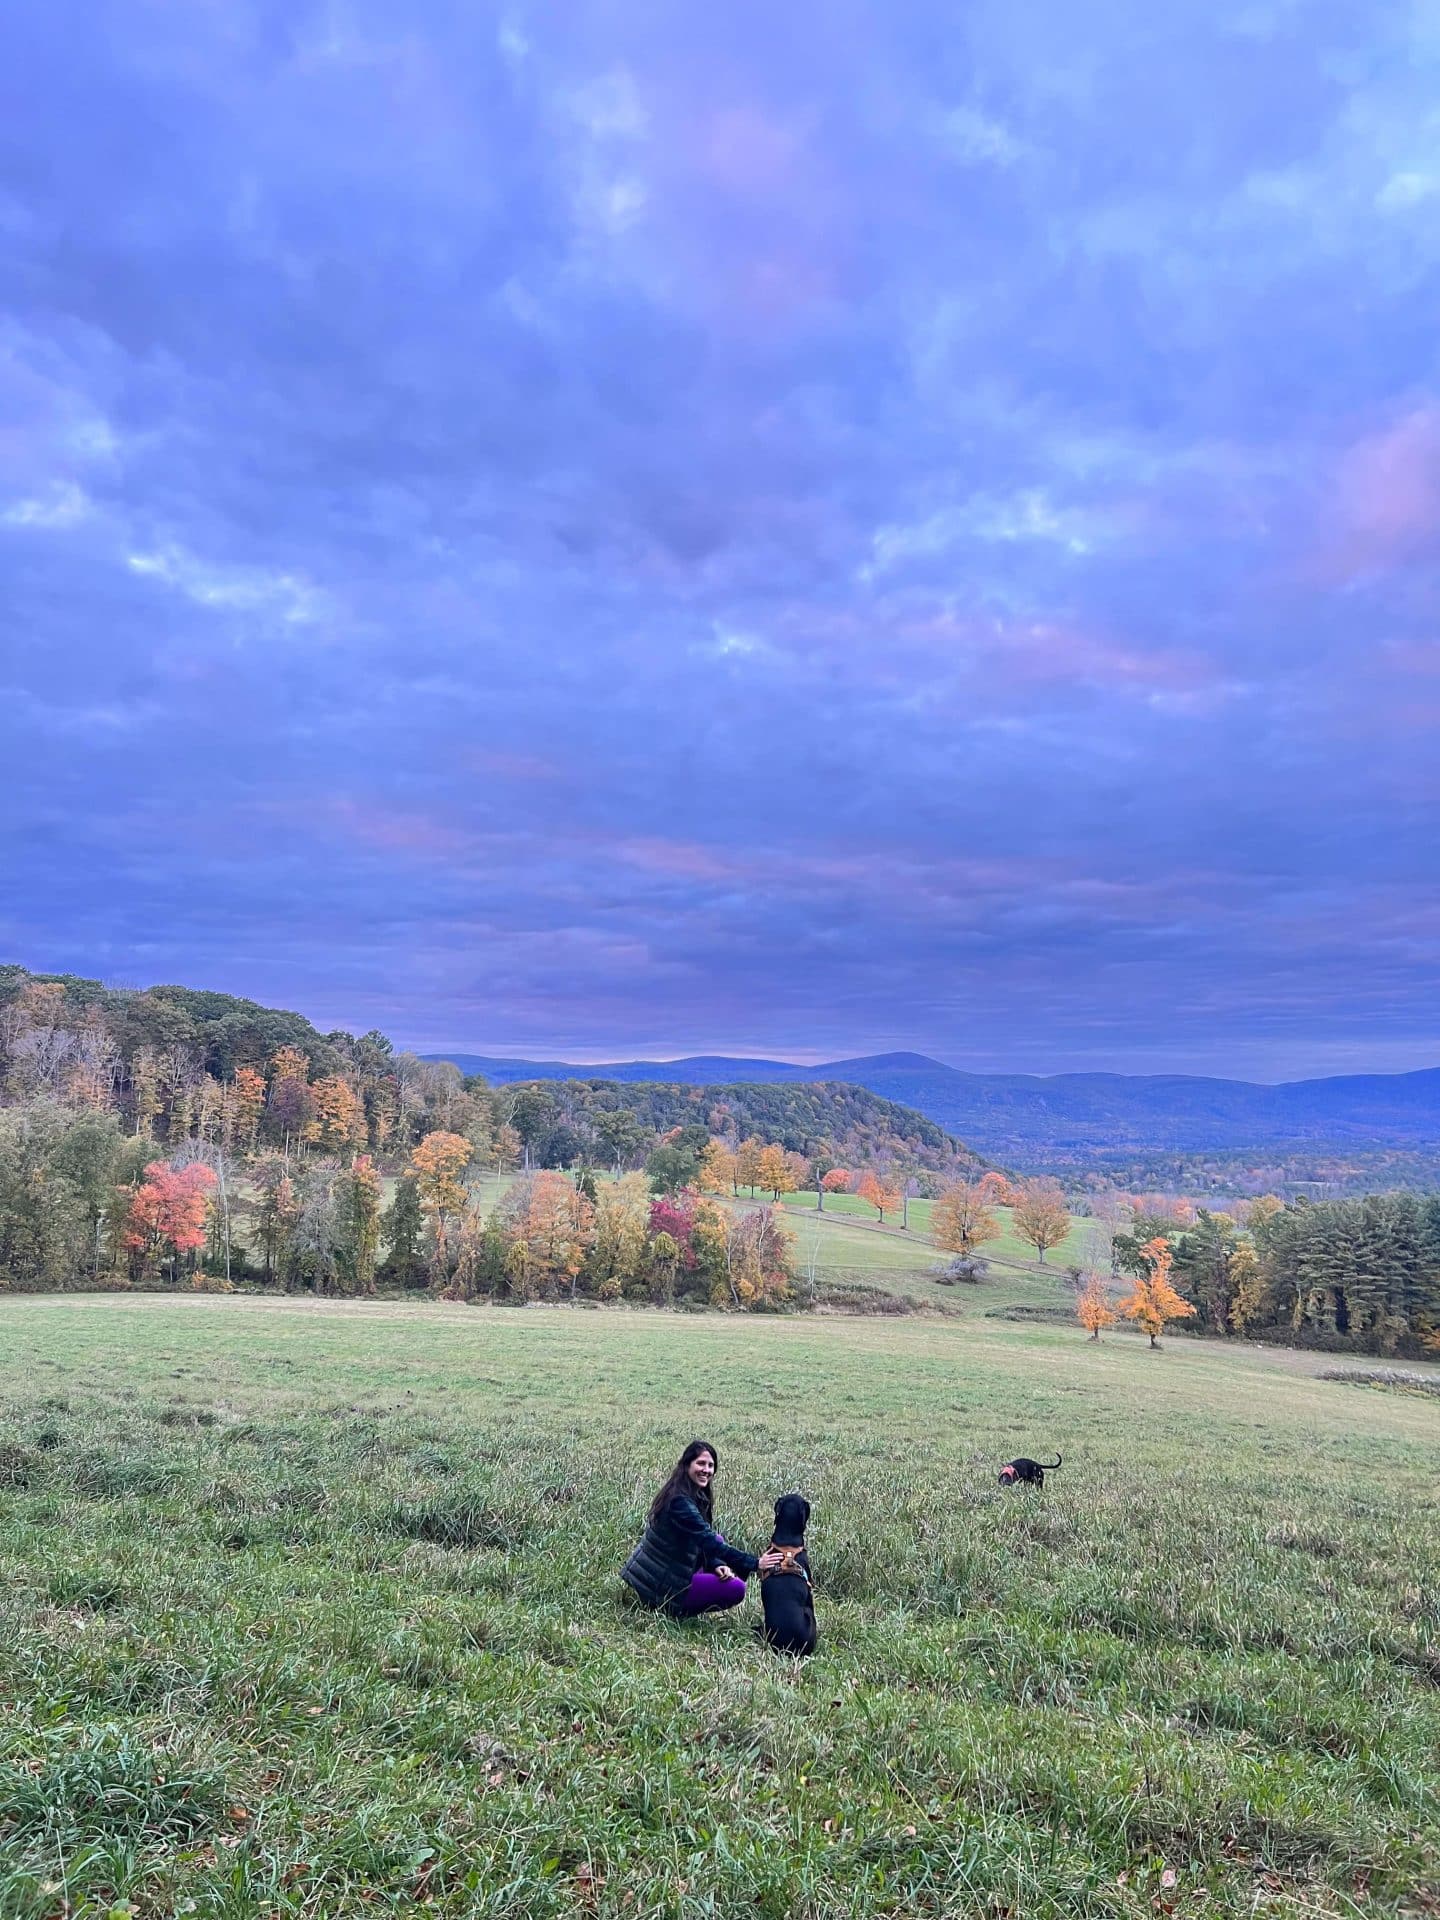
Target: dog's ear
[[805, 1507]]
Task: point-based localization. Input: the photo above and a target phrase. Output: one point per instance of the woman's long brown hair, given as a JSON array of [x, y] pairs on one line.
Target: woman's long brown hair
[[680, 1483]]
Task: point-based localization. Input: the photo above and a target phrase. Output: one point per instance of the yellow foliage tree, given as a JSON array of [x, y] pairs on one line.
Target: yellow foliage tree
[[961, 1221], [747, 1162], [1247, 1282], [719, 1169], [622, 1213], [1041, 1216], [774, 1172], [1092, 1306], [1154, 1301]]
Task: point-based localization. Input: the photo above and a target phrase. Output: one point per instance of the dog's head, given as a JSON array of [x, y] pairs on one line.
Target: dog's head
[[792, 1515], [1007, 1474]]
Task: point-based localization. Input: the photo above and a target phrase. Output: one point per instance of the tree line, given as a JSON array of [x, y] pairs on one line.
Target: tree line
[[178, 1064], [1359, 1274]]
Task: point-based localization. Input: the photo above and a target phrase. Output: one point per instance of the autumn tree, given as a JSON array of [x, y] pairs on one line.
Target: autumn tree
[[337, 1116], [747, 1162], [1040, 1215], [145, 1090], [248, 1103], [617, 1255], [961, 1221], [719, 1169], [1154, 1301], [756, 1259], [382, 1111], [276, 1211], [774, 1172], [875, 1193], [360, 1223], [436, 1166], [995, 1189], [168, 1212], [835, 1181], [1248, 1287], [1092, 1306], [508, 1148], [549, 1223], [94, 1064]]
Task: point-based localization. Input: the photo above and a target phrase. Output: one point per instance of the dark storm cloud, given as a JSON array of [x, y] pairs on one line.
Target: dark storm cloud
[[620, 529]]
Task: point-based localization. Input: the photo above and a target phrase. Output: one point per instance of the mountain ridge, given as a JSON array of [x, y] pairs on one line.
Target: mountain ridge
[[1072, 1112]]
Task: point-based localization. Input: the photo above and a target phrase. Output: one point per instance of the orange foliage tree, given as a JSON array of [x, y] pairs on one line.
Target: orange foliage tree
[[875, 1193], [337, 1115], [437, 1164], [248, 1097], [836, 1181], [1092, 1306], [961, 1221], [1154, 1301], [168, 1211], [552, 1229]]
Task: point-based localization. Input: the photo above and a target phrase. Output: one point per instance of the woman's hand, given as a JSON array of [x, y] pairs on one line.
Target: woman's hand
[[772, 1557], [722, 1572]]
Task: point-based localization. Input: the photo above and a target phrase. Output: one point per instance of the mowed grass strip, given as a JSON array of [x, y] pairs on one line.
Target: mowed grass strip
[[312, 1609]]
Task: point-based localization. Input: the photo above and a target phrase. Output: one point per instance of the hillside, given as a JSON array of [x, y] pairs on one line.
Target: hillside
[[54, 1027], [844, 1122], [1028, 1119]]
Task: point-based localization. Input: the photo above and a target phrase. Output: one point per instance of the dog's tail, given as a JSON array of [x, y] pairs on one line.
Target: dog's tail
[[1050, 1465]]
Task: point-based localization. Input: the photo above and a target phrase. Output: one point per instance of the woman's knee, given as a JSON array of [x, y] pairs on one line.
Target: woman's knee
[[730, 1592]]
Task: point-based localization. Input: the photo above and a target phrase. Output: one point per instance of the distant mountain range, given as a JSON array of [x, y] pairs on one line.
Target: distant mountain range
[[1019, 1116]]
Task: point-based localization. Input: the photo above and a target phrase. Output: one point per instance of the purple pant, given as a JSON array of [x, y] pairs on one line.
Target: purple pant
[[708, 1593]]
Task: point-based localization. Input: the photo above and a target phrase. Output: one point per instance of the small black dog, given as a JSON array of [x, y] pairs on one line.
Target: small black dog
[[785, 1591], [1025, 1472]]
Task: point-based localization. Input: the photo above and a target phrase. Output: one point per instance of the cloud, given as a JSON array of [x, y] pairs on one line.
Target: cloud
[[767, 526], [1387, 503]]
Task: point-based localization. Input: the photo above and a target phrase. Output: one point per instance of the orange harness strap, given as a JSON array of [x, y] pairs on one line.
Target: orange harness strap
[[790, 1563]]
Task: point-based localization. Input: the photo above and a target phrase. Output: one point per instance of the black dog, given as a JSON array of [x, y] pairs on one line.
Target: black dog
[[785, 1591], [1029, 1473]]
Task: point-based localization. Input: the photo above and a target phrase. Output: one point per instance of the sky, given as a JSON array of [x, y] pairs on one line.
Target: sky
[[599, 528]]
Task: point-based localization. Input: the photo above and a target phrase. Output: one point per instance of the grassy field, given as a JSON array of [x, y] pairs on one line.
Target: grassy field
[[311, 1609]]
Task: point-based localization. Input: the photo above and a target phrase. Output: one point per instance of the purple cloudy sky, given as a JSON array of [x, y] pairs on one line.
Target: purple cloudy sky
[[603, 527]]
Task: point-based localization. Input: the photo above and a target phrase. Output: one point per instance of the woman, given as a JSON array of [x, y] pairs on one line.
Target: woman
[[683, 1564]]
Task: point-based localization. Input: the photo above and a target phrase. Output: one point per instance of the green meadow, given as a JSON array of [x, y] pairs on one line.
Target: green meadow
[[311, 1608]]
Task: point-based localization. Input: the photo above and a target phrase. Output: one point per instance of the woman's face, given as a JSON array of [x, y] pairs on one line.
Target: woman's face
[[702, 1469]]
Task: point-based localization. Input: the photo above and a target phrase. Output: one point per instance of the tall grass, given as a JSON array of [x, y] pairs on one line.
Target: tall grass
[[312, 1610]]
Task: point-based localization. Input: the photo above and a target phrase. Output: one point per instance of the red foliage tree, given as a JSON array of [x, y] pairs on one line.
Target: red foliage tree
[[675, 1215], [168, 1211]]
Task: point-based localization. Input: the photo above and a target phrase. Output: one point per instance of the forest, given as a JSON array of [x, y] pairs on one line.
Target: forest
[[180, 1137]]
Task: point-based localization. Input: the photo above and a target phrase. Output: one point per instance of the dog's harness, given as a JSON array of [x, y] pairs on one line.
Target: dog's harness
[[790, 1563]]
